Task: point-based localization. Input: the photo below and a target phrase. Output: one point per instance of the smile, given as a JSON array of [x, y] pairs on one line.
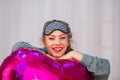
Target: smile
[[57, 49]]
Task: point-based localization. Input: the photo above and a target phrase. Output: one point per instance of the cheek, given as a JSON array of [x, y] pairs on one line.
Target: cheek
[[67, 43], [47, 44]]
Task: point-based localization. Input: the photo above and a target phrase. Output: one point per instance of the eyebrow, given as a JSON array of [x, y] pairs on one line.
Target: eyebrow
[[59, 35]]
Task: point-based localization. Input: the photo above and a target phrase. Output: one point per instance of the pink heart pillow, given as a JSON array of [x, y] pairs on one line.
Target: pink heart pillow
[[28, 64]]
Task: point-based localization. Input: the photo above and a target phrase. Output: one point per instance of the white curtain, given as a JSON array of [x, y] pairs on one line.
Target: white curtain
[[94, 23]]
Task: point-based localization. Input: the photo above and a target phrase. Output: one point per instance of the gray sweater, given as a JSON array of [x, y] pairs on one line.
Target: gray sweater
[[99, 67]]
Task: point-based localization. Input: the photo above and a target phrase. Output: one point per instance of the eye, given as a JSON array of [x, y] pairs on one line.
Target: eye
[[63, 38], [51, 38]]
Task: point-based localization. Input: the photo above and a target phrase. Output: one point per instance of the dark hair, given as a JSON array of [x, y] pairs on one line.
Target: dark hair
[[68, 31]]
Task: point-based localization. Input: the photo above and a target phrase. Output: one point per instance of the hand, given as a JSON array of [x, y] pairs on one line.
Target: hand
[[50, 56], [72, 55]]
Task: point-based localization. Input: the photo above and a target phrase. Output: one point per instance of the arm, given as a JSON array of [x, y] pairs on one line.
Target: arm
[[23, 45], [26, 46], [99, 67]]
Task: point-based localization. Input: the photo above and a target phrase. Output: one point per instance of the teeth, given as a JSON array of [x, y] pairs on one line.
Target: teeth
[[57, 48]]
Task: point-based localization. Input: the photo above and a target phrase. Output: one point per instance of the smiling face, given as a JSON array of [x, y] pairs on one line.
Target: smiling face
[[56, 43]]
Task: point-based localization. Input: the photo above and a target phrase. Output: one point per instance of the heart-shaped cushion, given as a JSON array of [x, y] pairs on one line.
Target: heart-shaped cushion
[[29, 64]]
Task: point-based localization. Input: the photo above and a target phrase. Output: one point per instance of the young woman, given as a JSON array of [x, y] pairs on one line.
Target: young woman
[[56, 38]]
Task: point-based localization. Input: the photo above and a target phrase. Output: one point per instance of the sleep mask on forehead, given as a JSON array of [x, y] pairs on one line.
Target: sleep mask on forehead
[[55, 25]]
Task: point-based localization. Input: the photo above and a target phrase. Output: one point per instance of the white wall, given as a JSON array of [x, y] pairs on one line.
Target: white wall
[[94, 23]]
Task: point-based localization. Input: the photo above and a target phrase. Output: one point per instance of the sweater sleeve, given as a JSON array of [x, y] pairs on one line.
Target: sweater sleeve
[[99, 67], [26, 45]]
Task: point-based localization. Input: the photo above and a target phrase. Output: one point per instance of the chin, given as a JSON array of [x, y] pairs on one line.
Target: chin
[[56, 56]]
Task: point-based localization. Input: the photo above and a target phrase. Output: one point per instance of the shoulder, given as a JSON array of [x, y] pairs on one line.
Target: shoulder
[[22, 44], [27, 45]]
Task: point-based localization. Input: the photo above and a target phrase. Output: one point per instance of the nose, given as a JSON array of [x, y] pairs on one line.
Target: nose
[[57, 41]]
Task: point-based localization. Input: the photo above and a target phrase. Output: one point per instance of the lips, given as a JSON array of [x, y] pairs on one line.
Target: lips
[[57, 49]]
